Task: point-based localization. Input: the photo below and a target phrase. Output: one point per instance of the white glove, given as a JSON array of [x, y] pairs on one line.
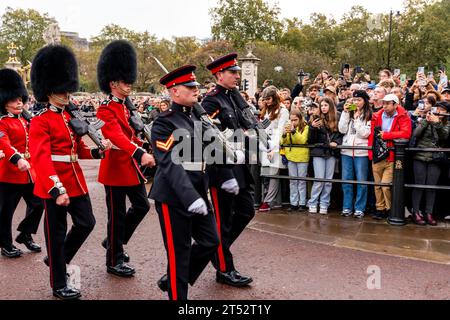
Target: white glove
[[199, 206], [231, 186], [240, 158]]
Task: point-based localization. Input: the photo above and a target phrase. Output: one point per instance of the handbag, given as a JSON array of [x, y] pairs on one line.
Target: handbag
[[379, 147]]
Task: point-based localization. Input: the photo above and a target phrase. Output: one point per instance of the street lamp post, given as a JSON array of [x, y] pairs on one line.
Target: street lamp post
[[391, 13]]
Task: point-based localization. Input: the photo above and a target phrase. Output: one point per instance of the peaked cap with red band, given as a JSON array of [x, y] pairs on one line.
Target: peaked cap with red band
[[228, 62], [182, 76]]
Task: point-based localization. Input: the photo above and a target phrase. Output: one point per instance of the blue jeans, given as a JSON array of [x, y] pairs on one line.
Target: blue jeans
[[323, 169], [350, 166], [298, 187]]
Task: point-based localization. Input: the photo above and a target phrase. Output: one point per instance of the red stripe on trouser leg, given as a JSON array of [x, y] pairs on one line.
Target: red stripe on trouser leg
[[222, 265], [49, 246], [170, 251]]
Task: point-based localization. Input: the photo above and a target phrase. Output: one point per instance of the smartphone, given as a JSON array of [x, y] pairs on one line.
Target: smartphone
[[352, 107], [421, 105], [358, 69], [403, 79], [430, 75], [321, 92], [410, 83], [421, 69], [434, 110], [396, 72], [443, 79]]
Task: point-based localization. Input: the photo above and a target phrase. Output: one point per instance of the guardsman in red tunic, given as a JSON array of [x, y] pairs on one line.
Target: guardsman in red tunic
[[55, 149], [16, 174], [119, 170]]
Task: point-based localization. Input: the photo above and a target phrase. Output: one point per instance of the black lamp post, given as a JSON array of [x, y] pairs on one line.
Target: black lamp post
[[390, 38]]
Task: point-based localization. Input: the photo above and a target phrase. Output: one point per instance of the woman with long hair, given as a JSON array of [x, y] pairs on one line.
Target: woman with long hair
[[355, 125], [296, 132], [271, 161], [323, 132]]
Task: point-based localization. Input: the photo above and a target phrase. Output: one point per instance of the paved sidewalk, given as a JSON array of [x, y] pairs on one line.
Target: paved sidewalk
[[427, 243]]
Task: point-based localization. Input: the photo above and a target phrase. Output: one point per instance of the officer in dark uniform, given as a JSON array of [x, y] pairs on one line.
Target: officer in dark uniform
[[16, 175], [231, 194], [120, 169], [55, 149], [180, 187]]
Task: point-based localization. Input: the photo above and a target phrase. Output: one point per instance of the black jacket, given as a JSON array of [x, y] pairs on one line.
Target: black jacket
[[225, 105], [322, 137]]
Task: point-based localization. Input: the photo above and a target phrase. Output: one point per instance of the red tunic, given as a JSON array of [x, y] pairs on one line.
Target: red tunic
[[14, 143], [120, 166], [50, 134]]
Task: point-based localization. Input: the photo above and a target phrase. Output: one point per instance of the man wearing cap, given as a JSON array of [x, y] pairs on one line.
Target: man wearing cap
[[392, 122], [16, 175], [230, 188], [180, 187], [119, 170], [55, 149]]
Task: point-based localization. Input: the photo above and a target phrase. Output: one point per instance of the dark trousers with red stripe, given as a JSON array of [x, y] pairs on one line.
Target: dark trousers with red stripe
[[63, 246], [185, 261], [122, 223], [10, 195], [233, 214]]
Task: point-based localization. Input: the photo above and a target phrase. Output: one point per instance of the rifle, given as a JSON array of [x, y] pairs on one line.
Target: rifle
[[208, 124], [83, 127], [136, 122], [247, 114]]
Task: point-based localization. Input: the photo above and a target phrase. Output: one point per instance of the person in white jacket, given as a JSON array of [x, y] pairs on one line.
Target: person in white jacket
[[355, 124], [271, 161]]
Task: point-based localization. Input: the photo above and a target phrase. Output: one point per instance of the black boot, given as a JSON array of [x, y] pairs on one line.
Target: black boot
[[121, 270], [27, 240], [163, 283], [67, 293], [126, 257], [233, 278], [11, 252]]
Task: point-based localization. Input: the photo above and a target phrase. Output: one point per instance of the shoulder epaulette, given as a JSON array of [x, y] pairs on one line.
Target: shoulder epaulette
[[41, 112], [166, 113], [213, 93]]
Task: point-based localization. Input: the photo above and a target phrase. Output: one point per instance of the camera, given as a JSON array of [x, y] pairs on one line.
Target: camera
[[358, 70]]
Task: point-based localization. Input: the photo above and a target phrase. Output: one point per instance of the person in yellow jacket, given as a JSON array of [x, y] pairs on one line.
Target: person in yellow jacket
[[296, 132]]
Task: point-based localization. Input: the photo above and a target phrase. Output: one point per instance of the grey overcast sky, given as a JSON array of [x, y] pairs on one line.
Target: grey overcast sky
[[171, 18]]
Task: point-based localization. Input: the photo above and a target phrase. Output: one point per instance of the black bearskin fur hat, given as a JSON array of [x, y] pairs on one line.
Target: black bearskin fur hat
[[117, 62], [54, 70], [11, 87]]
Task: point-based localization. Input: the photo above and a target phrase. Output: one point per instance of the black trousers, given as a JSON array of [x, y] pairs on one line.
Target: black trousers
[[63, 246], [233, 214], [122, 224], [425, 173], [10, 195], [186, 261]]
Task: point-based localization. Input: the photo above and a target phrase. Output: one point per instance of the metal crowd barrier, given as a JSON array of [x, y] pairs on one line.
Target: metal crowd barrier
[[397, 213]]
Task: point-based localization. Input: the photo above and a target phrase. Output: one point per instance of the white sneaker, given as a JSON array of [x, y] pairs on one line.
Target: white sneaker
[[346, 213], [312, 209], [447, 217], [359, 214], [323, 211]]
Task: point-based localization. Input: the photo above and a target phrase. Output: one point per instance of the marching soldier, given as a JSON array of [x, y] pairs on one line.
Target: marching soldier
[[231, 194], [119, 170], [16, 174], [55, 149], [180, 188]]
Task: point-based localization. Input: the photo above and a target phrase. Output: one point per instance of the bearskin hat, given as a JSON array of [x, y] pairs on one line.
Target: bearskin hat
[[117, 63], [54, 70], [11, 87]]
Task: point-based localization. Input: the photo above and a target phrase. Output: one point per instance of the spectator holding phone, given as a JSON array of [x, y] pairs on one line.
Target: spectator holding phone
[[431, 132], [390, 123], [323, 132], [296, 132], [355, 124]]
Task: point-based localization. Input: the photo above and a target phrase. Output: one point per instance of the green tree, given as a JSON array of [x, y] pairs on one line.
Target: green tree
[[25, 29], [243, 21]]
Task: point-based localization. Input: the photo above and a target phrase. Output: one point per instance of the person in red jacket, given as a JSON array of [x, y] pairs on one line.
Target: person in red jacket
[[119, 170], [391, 123], [55, 149], [16, 174]]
